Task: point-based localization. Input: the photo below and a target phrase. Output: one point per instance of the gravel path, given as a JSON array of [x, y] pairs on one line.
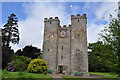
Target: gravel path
[[56, 76]]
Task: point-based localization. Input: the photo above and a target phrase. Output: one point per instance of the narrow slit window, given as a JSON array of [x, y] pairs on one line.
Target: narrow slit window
[[50, 22], [62, 47], [78, 20], [61, 57], [48, 50]]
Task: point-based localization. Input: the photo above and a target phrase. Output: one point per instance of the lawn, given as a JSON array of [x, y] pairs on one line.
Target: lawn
[[74, 78], [26, 75], [106, 76], [30, 76]]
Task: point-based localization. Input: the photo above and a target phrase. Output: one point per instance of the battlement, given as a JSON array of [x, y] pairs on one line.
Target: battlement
[[65, 26], [51, 19], [78, 16]]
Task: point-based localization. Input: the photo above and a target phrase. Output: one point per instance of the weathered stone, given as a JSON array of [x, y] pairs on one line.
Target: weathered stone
[[65, 48]]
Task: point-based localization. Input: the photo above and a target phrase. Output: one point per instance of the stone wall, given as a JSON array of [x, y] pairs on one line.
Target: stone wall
[[64, 48]]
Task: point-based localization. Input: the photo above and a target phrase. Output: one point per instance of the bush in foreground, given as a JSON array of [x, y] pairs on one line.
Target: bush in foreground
[[37, 66], [21, 63]]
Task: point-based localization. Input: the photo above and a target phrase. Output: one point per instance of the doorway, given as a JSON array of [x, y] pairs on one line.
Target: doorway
[[60, 69]]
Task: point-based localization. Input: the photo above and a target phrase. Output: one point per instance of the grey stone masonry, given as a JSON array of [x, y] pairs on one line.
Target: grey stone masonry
[[65, 48]]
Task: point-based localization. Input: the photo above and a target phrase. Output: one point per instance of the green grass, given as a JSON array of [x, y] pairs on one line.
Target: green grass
[[75, 78], [6, 74], [105, 75]]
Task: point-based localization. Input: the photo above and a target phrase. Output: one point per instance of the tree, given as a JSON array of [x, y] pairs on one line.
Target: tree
[[29, 51], [100, 58], [10, 34], [111, 36]]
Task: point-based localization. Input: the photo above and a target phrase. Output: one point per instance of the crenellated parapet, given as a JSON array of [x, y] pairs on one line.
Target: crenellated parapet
[[78, 16], [50, 19], [65, 26]]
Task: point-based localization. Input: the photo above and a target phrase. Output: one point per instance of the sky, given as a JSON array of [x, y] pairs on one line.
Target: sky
[[31, 18]]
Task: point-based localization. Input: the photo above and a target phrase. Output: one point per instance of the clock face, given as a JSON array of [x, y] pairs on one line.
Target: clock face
[[62, 33]]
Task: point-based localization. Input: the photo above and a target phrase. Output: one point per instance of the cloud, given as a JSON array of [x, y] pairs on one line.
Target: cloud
[[102, 14], [31, 29], [105, 9], [92, 32]]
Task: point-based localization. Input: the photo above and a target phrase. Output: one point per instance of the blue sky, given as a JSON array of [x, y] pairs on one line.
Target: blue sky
[[18, 9], [31, 15]]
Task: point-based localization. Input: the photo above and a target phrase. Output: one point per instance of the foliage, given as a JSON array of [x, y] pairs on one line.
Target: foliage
[[29, 51], [37, 66], [111, 36], [10, 67], [10, 31], [100, 57], [21, 63], [10, 34], [105, 54], [78, 73], [7, 53]]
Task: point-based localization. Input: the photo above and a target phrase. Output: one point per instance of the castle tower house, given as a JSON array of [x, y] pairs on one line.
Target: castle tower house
[[65, 48]]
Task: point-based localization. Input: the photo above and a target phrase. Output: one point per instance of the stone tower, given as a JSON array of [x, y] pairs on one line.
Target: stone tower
[[65, 48], [50, 47], [79, 56]]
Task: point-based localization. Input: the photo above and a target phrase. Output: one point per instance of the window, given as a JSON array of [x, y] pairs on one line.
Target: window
[[61, 57], [48, 50], [78, 20], [62, 47], [50, 22], [49, 36]]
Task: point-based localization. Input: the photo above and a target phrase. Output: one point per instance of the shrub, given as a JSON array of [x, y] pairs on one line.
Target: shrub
[[37, 66], [21, 63], [10, 67], [78, 73]]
